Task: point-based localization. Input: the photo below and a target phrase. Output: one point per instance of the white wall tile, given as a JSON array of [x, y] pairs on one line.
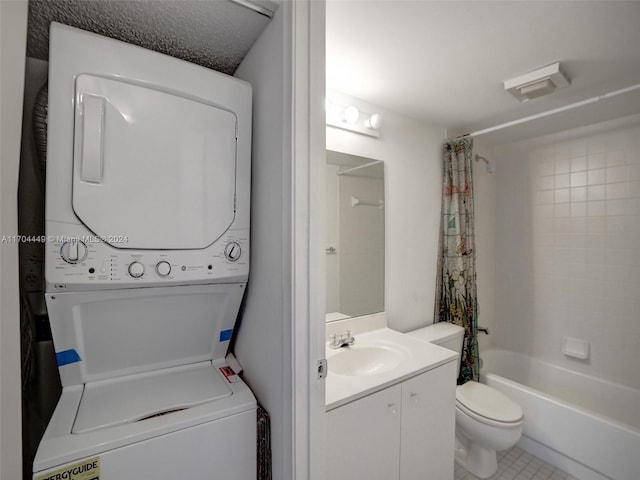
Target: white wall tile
[[579, 225], [563, 181], [578, 209], [562, 210], [578, 148], [563, 164], [579, 179], [596, 143], [579, 164], [596, 177], [579, 194], [616, 190], [596, 192], [566, 264], [596, 208], [616, 207], [596, 160], [546, 182], [616, 158], [563, 195], [616, 174], [633, 189]]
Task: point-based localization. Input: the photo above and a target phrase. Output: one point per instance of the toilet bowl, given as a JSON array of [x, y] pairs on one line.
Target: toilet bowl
[[487, 420]]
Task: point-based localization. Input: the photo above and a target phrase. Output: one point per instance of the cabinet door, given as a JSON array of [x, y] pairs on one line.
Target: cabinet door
[[428, 425], [363, 438]]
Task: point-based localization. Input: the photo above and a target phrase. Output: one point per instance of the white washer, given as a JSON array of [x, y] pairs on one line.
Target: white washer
[[147, 258]]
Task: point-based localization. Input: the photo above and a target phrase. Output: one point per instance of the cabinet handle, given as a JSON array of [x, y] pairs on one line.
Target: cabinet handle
[[393, 408], [415, 397]]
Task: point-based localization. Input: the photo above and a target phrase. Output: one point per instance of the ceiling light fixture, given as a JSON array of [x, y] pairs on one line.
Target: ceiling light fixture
[[537, 83]]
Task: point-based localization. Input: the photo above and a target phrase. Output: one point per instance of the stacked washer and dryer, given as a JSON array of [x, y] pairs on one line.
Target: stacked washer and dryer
[[147, 258]]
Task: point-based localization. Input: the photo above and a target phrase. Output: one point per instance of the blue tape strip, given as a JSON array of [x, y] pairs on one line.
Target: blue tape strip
[[66, 357], [226, 335]]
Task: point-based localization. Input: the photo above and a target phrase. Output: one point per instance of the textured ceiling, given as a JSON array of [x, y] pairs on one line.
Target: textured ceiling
[[213, 33], [444, 62]]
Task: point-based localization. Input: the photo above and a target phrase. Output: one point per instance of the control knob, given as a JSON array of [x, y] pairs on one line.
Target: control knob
[[136, 269], [73, 251], [232, 251], [163, 268]]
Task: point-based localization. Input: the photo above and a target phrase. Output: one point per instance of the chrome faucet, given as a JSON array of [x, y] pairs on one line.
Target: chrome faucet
[[342, 340]]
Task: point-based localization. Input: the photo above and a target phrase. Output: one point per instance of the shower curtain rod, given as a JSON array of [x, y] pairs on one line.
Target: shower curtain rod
[[552, 112]]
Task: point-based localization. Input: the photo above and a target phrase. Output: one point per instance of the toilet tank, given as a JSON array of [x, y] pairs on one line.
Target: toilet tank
[[444, 334]]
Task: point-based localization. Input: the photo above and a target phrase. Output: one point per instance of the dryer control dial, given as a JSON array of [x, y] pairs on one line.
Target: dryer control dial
[[73, 251], [136, 269], [232, 251], [163, 268]]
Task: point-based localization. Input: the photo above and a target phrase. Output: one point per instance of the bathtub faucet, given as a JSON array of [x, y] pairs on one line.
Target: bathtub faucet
[[484, 330], [342, 340]]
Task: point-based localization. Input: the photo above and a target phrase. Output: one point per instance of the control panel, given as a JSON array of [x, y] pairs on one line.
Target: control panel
[[77, 262]]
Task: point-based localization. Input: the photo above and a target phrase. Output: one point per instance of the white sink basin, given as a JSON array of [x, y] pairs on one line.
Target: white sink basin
[[378, 359], [359, 360]]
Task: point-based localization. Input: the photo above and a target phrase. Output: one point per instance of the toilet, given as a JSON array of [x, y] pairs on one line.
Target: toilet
[[487, 421]]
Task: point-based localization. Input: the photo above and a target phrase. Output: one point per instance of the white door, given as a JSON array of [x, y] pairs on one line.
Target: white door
[[154, 168]]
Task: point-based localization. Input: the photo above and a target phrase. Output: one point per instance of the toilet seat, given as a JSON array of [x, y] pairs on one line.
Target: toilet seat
[[488, 405]]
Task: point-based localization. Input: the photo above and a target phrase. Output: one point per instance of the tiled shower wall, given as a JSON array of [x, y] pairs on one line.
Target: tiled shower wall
[[568, 248]]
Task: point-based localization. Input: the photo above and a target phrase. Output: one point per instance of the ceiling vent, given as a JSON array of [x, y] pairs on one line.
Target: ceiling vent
[[538, 83]]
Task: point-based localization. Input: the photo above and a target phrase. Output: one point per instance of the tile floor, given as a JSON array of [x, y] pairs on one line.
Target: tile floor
[[517, 464]]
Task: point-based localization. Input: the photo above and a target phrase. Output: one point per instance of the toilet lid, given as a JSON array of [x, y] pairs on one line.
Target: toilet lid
[[488, 403]]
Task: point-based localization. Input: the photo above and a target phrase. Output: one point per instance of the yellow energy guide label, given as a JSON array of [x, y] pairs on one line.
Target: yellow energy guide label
[[88, 469]]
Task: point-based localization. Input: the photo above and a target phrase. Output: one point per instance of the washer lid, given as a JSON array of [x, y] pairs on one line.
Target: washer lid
[[138, 397], [106, 334], [488, 403]]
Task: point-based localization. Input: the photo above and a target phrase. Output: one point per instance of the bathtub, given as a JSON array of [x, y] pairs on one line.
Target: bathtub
[[584, 425]]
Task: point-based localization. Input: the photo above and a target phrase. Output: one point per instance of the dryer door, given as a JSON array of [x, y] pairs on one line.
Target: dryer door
[[152, 169]]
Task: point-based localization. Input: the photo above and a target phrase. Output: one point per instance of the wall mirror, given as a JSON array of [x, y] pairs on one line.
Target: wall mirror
[[355, 236]]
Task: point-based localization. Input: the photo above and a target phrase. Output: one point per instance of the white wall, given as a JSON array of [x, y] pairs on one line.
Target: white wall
[[264, 340], [484, 185], [281, 334], [13, 25], [567, 237], [413, 178]]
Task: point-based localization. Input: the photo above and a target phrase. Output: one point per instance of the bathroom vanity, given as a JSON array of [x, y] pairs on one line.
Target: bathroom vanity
[[390, 408]]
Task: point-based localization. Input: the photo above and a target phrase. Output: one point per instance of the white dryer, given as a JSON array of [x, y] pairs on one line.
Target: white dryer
[[147, 258]]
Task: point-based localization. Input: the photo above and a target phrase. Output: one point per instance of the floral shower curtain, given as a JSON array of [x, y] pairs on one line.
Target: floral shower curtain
[[456, 293]]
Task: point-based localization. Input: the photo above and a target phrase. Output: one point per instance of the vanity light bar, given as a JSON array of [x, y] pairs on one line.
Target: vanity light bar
[[350, 118]]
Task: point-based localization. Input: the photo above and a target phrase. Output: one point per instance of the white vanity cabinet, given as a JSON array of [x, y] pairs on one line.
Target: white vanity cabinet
[[363, 437], [427, 429], [405, 431]]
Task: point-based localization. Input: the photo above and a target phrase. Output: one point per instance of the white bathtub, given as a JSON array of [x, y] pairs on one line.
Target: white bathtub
[[587, 426]]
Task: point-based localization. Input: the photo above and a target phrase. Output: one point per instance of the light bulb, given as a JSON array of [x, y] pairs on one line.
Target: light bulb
[[375, 121], [351, 114]]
